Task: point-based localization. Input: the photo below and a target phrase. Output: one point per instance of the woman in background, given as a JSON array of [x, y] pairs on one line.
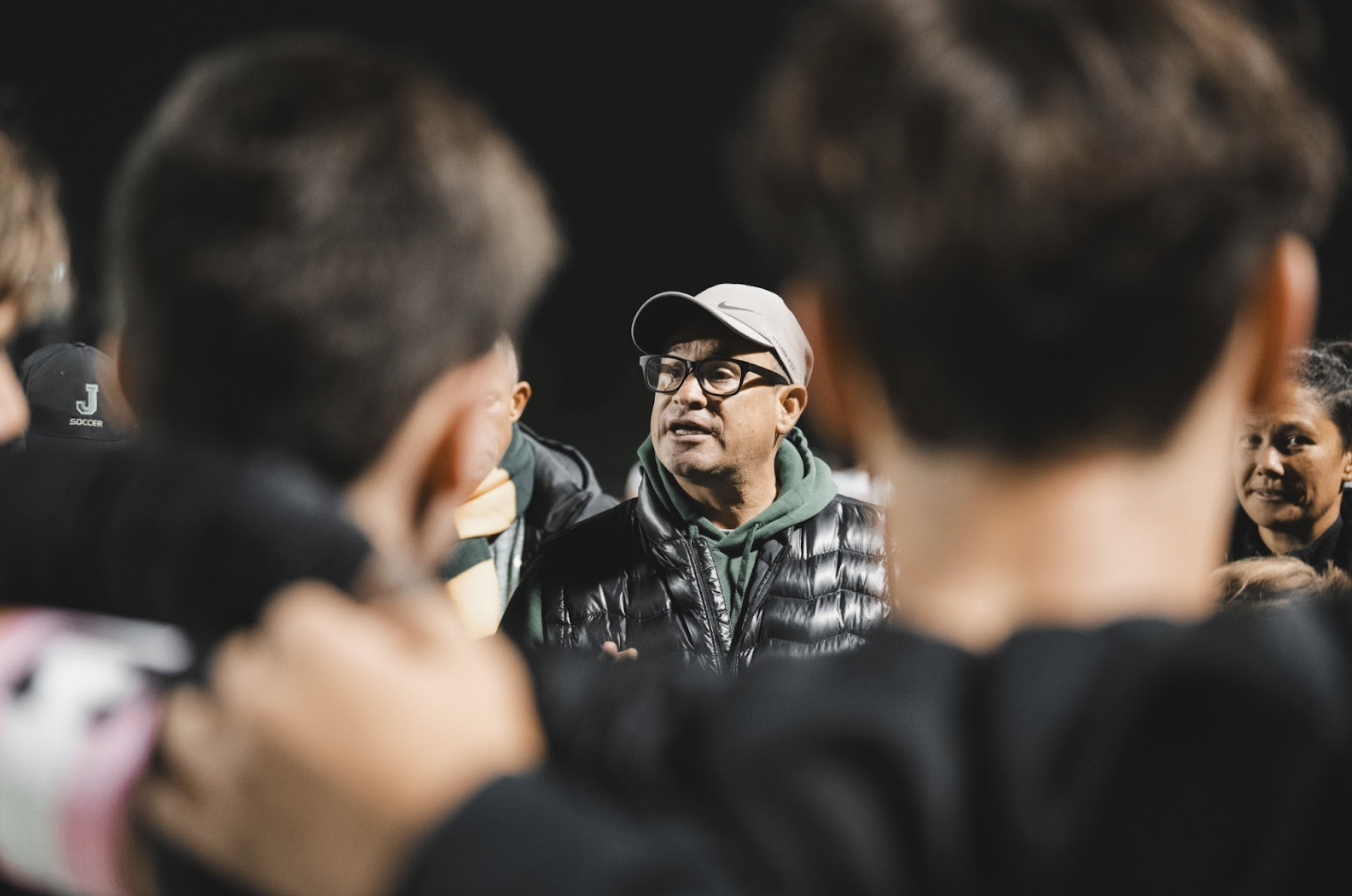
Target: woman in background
[[1291, 464]]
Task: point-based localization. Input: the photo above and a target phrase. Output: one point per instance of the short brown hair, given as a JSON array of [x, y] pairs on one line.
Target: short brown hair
[[1041, 216], [308, 233]]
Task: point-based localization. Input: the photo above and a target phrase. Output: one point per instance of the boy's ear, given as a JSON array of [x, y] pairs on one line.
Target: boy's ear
[[406, 500], [835, 393], [112, 344], [1281, 312], [119, 398]]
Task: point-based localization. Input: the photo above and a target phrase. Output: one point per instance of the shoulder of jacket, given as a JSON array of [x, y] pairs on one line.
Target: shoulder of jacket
[[603, 527], [566, 488], [853, 524], [849, 510], [567, 467]]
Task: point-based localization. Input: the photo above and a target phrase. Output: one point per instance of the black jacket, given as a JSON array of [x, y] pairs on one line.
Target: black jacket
[[565, 491], [633, 576], [1334, 545], [1141, 758]]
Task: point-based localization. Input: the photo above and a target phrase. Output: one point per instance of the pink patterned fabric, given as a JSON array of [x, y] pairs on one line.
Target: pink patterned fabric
[[71, 748]]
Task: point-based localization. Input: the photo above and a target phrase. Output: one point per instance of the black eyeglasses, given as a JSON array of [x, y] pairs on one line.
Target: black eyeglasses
[[716, 376]]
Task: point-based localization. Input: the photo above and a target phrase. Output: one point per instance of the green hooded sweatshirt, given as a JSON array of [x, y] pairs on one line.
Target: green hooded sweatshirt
[[805, 488]]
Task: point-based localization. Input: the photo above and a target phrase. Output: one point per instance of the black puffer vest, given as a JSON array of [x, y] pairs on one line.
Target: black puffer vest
[[633, 576]]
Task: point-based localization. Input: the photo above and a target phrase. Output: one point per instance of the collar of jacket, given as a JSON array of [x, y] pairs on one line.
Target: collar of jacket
[[563, 478], [660, 531]]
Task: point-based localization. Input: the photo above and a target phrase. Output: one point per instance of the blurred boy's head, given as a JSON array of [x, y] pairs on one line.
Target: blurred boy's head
[[1038, 219], [308, 233], [313, 246], [1048, 252]]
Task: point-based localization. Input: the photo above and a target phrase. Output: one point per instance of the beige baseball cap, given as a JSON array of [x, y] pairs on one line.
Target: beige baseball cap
[[749, 311]]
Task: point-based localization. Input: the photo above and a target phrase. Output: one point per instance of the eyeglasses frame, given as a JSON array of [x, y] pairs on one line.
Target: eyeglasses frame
[[774, 377]]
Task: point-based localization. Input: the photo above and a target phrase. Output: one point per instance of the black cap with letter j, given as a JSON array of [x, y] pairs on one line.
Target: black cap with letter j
[[68, 387]]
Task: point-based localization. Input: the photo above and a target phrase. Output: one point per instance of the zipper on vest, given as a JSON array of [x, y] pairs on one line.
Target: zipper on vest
[[714, 641], [749, 608]]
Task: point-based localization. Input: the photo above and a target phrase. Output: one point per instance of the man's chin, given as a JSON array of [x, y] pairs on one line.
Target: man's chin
[[695, 454], [690, 467]]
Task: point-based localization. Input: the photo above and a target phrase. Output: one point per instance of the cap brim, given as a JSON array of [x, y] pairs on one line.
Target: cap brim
[[659, 317]]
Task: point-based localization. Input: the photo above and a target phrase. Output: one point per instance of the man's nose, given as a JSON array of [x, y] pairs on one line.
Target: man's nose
[[691, 393]]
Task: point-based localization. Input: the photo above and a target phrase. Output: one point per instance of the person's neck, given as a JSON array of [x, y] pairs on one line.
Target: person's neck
[[1288, 541], [730, 501], [981, 550], [982, 546]]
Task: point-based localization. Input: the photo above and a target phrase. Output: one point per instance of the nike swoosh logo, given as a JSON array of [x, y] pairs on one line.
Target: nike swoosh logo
[[726, 307]]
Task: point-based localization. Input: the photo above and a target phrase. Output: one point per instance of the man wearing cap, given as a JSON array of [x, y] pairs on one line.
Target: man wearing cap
[[738, 545]]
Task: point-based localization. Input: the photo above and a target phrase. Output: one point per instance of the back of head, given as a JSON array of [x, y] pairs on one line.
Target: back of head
[[1269, 581], [1041, 215], [309, 232], [33, 250]]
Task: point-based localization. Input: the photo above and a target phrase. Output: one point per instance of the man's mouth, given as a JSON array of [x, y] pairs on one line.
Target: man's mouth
[[1272, 494], [688, 428]]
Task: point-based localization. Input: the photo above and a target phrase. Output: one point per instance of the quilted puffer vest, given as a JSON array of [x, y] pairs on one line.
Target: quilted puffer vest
[[633, 576]]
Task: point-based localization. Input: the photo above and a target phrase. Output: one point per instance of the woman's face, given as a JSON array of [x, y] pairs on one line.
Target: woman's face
[[1290, 465]]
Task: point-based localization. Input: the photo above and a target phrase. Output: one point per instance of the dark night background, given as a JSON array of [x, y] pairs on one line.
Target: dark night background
[[624, 107]]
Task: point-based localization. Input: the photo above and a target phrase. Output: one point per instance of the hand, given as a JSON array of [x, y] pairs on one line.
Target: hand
[[612, 650], [333, 736]]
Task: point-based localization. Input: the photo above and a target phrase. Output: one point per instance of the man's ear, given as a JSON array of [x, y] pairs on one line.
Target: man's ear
[[406, 500], [792, 403], [1281, 312], [520, 397]]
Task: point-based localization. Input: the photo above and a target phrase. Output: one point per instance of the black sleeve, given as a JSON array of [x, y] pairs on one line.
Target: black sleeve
[[184, 537], [1139, 758], [542, 833]]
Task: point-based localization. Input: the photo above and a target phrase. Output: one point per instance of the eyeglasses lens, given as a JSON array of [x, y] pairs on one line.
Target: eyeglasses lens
[[663, 374], [719, 377]]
